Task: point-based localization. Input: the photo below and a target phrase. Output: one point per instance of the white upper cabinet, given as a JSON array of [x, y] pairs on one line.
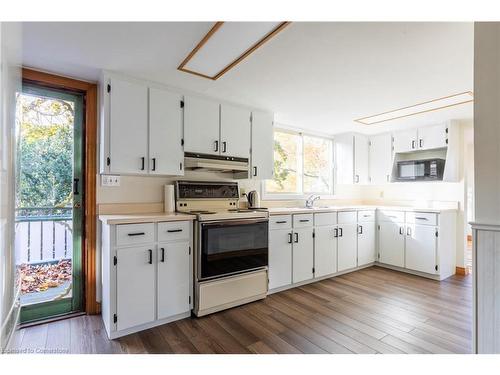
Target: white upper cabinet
[[380, 158], [351, 158], [405, 141], [431, 137], [201, 126], [361, 159], [234, 131], [166, 155], [262, 159], [128, 127]]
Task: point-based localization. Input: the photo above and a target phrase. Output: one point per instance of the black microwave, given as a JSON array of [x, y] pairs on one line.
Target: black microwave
[[420, 170]]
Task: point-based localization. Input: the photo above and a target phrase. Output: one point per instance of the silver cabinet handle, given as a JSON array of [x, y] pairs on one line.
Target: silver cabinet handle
[[289, 237], [296, 237], [408, 231], [360, 229], [401, 230], [340, 232], [255, 171], [335, 232]]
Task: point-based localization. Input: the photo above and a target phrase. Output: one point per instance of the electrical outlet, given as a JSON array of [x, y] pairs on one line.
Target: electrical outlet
[[110, 180]]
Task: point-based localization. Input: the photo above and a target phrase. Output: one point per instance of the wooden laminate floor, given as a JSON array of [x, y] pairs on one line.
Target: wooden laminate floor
[[374, 310]]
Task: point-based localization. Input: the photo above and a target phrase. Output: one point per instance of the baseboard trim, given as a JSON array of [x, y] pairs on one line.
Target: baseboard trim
[[462, 271]]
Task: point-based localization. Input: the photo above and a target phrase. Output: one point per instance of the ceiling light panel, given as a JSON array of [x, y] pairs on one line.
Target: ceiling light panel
[[226, 44], [428, 106]]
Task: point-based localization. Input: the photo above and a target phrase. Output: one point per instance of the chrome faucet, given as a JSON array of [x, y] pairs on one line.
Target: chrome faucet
[[311, 199]]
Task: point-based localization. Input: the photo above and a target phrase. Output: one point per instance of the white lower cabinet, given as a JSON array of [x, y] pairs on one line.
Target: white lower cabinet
[[302, 254], [421, 248], [280, 258], [366, 243], [347, 246], [173, 285], [135, 286], [391, 243], [325, 250]]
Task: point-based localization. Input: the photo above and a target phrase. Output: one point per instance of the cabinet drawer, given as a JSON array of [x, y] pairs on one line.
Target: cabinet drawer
[[394, 216], [280, 222], [425, 218], [302, 220], [326, 218], [173, 231], [366, 216], [131, 234], [347, 217]]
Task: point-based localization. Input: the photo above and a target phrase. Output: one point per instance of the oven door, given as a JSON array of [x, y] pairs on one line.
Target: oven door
[[232, 246]]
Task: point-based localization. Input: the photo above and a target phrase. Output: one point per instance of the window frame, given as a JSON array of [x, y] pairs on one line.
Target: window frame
[[266, 195]]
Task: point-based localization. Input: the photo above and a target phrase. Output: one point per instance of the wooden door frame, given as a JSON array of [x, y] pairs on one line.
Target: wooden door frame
[[89, 90]]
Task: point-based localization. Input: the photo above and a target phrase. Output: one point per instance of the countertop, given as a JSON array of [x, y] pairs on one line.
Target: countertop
[[303, 210], [145, 218]]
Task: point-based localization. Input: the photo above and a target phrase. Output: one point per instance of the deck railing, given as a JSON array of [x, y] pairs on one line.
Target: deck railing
[[43, 234]]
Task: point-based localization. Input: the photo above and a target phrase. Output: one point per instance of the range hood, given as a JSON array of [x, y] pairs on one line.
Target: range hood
[[237, 167]]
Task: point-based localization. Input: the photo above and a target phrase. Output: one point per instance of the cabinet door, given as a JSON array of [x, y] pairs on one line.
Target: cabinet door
[[166, 154], [347, 246], [201, 126], [366, 243], [280, 258], [421, 248], [135, 286], [361, 159], [262, 155], [430, 137], [344, 158], [391, 243], [405, 141], [380, 159], [303, 254], [325, 251], [234, 131], [173, 279], [128, 127]]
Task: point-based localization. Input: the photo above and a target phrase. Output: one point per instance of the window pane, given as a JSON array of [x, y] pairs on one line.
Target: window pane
[[317, 165], [287, 153]]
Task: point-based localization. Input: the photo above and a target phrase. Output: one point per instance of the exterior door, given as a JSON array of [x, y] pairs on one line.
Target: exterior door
[[280, 258], [347, 246], [49, 201], [391, 243], [325, 250], [421, 248], [303, 255]]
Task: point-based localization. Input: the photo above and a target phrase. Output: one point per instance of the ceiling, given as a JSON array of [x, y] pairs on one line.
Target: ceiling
[[315, 76]]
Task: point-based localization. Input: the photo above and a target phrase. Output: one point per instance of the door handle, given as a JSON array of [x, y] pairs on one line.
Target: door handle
[[162, 254], [281, 222], [255, 171], [401, 230], [341, 232], [296, 237], [216, 146], [150, 261], [335, 232], [289, 237], [174, 230], [421, 143], [136, 234], [412, 144], [143, 161], [224, 146], [154, 164], [360, 229], [76, 182], [408, 231]]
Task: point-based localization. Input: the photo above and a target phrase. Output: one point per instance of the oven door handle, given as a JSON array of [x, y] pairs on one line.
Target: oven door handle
[[231, 223]]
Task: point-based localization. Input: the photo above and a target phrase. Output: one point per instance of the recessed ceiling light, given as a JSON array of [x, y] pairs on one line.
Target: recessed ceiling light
[[428, 106], [227, 44]]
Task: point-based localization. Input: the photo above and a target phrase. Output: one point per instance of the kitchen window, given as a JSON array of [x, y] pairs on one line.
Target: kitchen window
[[303, 164]]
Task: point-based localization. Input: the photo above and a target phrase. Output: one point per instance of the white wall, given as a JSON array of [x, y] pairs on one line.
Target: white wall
[[10, 79]]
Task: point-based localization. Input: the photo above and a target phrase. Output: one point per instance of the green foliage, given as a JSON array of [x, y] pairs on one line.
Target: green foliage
[[280, 172]]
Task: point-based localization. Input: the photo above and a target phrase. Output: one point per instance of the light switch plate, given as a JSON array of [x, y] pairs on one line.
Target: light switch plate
[[110, 180]]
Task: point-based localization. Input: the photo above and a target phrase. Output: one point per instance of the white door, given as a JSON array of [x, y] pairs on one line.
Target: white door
[[128, 127], [380, 159], [166, 154], [280, 258], [344, 159], [173, 279], [366, 243], [361, 172], [421, 248], [303, 254], [201, 126], [234, 131], [135, 286], [325, 251], [391, 245], [430, 137], [405, 141], [262, 146], [347, 246]]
